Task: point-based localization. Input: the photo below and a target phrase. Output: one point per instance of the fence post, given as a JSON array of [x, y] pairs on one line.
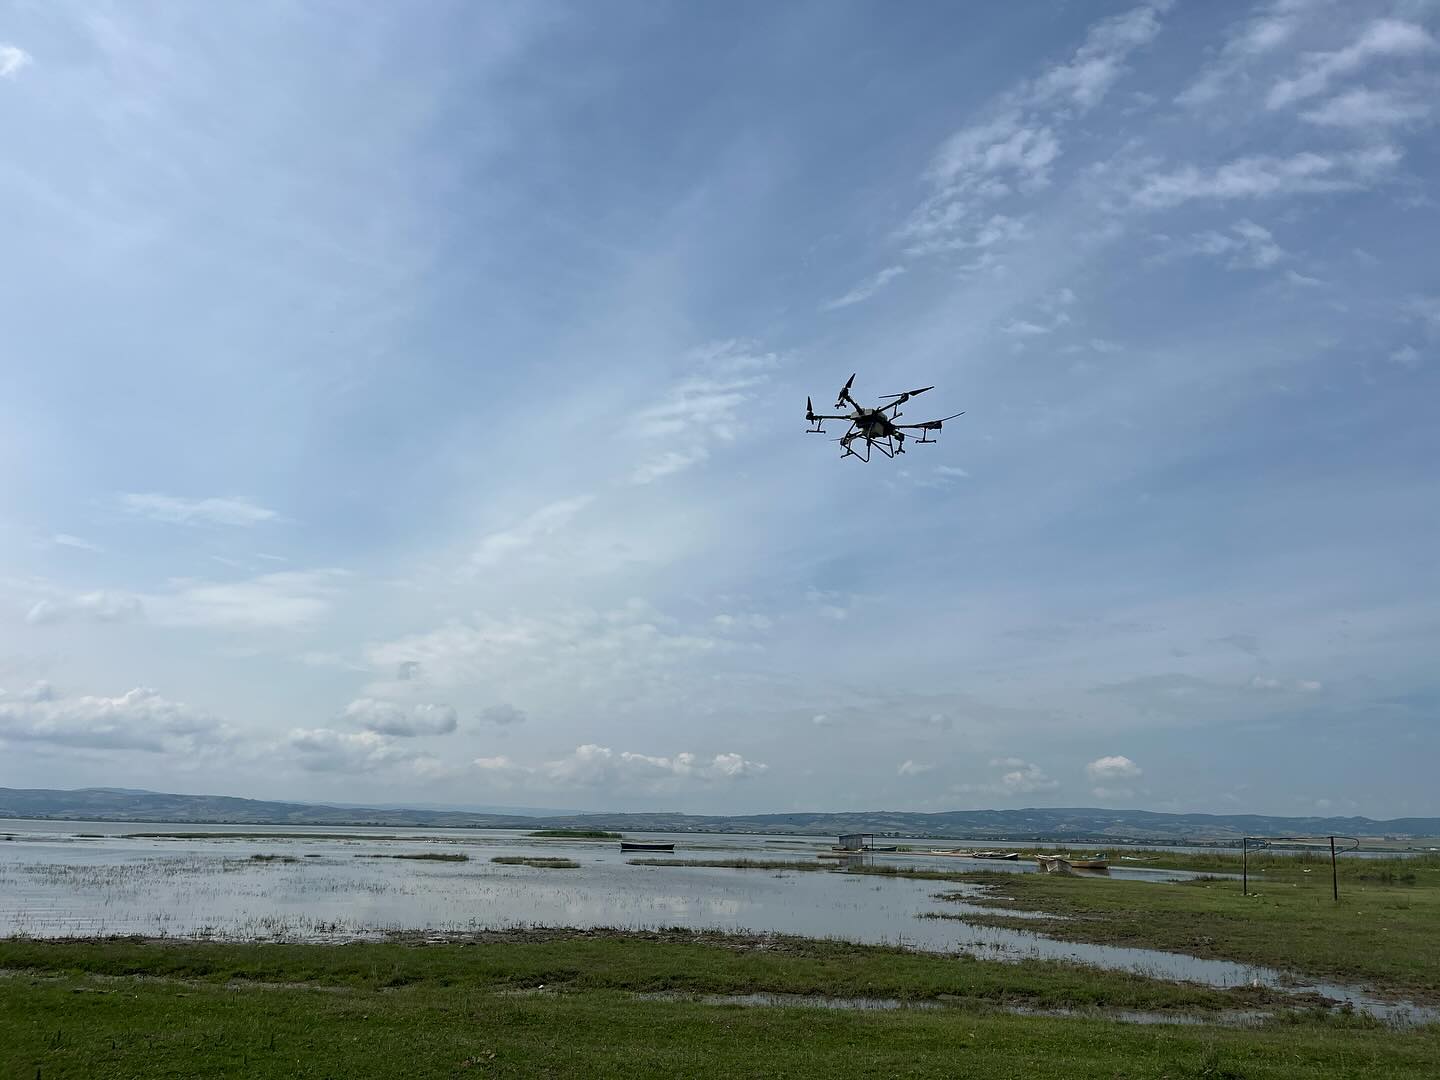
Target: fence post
[[1244, 866], [1334, 874]]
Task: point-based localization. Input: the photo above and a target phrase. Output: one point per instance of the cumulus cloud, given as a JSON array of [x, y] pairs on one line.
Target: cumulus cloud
[[13, 60], [329, 750], [592, 765], [1381, 39], [403, 721], [1113, 767], [867, 288], [139, 719], [235, 510], [1266, 176], [1017, 777], [502, 715]]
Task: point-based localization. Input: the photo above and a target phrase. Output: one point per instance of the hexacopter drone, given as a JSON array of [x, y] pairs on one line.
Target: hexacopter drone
[[874, 426]]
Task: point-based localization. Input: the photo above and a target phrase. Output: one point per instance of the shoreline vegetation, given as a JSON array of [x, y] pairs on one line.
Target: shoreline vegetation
[[574, 834], [658, 1004]]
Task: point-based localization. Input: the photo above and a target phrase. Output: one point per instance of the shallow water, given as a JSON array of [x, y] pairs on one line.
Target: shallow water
[[55, 882]]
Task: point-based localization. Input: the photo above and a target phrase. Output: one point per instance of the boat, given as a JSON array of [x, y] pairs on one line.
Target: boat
[[1097, 863], [997, 855], [952, 854], [1061, 864], [645, 845]]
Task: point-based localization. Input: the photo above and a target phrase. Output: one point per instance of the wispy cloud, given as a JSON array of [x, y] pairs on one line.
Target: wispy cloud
[[234, 510], [1260, 34], [67, 540], [867, 288], [1265, 176], [540, 525], [1246, 246], [1369, 110], [1100, 61], [1384, 38]]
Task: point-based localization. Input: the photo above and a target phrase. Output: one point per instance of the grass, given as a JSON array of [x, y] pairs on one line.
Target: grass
[[539, 862], [125, 1008], [424, 856], [1382, 936], [575, 834], [274, 858]]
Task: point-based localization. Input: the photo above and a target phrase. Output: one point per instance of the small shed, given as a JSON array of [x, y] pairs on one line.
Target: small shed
[[855, 841]]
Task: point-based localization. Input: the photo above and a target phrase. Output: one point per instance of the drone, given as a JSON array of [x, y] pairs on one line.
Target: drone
[[875, 428]]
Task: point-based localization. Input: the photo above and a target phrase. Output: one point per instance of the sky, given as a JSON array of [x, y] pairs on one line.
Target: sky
[[404, 403]]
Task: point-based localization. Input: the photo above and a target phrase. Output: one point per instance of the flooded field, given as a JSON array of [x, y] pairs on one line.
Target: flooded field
[[67, 879]]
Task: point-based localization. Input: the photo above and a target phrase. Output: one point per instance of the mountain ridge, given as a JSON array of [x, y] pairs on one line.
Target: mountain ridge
[[1064, 823]]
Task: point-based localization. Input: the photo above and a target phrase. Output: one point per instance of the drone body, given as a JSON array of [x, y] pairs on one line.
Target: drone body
[[874, 428]]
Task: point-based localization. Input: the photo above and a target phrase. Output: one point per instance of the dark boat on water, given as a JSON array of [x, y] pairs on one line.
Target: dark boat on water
[[645, 845]]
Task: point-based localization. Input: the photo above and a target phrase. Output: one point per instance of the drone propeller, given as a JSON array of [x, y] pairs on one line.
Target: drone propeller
[[809, 410], [909, 393], [934, 425], [845, 391]]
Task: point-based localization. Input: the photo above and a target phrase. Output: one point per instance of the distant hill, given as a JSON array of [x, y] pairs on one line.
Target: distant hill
[[1077, 824]]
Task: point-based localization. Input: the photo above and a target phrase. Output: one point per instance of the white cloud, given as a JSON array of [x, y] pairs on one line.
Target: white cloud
[[1426, 309], [66, 540], [13, 60], [743, 621], [913, 768], [1382, 38], [290, 599], [1113, 767], [667, 464], [1247, 246], [1024, 328], [404, 721], [1100, 61], [137, 720], [230, 510], [867, 288], [706, 406], [1025, 779], [545, 522], [592, 765], [1257, 36], [1368, 110], [501, 715], [582, 647], [1294, 277], [99, 606], [328, 750], [1264, 176], [1406, 356], [1111, 776]]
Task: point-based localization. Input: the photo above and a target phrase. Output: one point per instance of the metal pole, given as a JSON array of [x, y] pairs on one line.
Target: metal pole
[[1334, 874], [1244, 866]]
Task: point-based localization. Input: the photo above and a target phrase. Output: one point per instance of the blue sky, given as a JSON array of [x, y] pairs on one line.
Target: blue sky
[[406, 404]]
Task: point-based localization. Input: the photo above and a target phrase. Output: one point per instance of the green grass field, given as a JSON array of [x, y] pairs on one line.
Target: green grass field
[[126, 1009], [1383, 935]]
